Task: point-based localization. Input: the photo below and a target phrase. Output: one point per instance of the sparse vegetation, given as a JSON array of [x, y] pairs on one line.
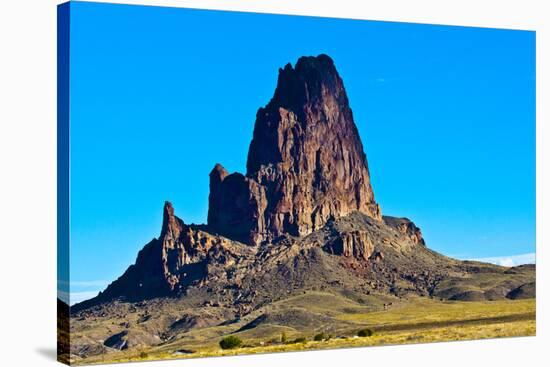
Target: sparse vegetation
[[412, 320], [284, 338], [298, 340], [320, 337], [231, 342], [365, 332], [520, 328]]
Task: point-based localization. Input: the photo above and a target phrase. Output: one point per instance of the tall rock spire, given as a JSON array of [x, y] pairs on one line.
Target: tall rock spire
[[171, 225], [306, 162]]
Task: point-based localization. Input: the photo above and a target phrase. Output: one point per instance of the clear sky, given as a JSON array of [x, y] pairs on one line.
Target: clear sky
[[159, 95]]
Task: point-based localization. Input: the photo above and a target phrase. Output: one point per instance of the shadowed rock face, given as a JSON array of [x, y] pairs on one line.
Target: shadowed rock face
[[355, 244], [305, 165], [236, 206]]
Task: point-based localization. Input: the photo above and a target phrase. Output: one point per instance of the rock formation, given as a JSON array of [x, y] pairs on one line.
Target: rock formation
[[301, 223], [165, 265], [352, 244], [236, 206], [306, 168], [305, 165], [406, 228], [303, 217]]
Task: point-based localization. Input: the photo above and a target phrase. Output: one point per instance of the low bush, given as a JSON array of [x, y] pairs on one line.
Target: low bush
[[365, 332], [231, 342], [320, 337]]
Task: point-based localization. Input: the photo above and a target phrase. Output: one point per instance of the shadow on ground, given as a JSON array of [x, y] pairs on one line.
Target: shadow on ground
[[49, 353]]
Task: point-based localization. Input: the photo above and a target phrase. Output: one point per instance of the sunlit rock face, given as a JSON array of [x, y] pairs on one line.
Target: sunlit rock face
[[306, 162]]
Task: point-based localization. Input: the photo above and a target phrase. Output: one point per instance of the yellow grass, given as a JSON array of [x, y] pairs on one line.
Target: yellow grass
[[424, 310], [418, 321]]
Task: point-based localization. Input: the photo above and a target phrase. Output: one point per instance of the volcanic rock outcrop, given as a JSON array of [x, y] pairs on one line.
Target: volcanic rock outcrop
[[355, 244], [407, 228], [306, 166], [306, 162], [294, 242], [169, 263], [303, 218]]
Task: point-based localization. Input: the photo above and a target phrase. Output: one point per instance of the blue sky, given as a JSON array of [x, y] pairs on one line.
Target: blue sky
[[159, 95]]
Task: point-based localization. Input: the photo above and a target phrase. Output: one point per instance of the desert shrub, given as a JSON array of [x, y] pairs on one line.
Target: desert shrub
[[365, 332], [299, 340], [284, 338], [143, 355], [231, 342], [321, 336]]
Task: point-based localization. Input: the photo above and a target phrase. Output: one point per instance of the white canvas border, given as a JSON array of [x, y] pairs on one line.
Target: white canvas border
[[27, 187]]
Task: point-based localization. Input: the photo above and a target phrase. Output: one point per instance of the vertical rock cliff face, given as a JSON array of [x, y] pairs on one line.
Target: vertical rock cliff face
[[355, 244], [305, 165], [236, 206]]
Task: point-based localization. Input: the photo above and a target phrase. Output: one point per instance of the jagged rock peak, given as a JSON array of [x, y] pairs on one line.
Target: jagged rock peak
[[307, 83], [171, 225], [164, 264], [308, 92], [219, 172], [306, 162]]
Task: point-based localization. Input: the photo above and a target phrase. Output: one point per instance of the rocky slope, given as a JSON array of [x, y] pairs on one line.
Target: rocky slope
[[302, 219], [228, 285]]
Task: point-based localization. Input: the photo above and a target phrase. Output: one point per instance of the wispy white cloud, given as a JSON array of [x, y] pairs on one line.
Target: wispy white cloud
[[513, 260], [89, 283], [79, 290], [84, 283], [75, 297], [383, 79]]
